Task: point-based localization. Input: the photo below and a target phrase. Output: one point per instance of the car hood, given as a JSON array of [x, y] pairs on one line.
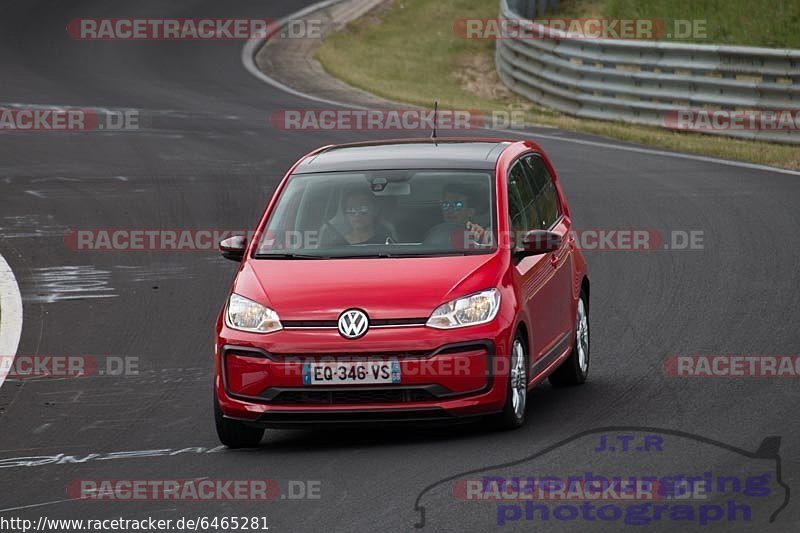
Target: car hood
[[412, 287]]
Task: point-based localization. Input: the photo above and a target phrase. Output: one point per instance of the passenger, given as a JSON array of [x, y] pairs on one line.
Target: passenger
[[458, 207]]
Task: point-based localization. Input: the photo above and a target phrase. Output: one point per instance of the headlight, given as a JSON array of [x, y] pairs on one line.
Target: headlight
[[247, 315], [477, 308]]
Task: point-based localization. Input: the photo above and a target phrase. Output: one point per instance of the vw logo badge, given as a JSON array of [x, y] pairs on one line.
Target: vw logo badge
[[353, 323]]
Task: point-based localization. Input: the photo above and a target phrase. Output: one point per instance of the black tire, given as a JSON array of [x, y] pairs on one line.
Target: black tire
[[235, 434], [509, 418], [571, 372]]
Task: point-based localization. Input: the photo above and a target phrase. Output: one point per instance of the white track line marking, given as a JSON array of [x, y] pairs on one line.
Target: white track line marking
[[10, 317], [251, 47], [39, 504]]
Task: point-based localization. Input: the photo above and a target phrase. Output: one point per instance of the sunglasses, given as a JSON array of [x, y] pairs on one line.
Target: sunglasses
[[360, 210], [452, 206]]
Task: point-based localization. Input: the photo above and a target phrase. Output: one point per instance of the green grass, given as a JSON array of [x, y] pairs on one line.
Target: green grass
[[773, 23], [408, 52], [411, 54]]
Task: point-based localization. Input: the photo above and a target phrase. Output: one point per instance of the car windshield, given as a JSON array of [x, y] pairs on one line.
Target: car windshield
[[382, 213]]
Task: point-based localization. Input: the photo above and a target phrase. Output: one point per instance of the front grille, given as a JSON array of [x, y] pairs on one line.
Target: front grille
[[353, 396], [373, 323]]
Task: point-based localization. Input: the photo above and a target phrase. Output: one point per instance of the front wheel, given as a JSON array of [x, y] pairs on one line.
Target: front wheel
[[234, 434], [574, 370], [513, 414]]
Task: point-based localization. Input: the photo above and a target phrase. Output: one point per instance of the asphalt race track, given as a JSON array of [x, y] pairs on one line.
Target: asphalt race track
[[206, 157]]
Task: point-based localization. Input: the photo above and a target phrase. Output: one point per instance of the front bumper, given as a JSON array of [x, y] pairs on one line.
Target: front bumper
[[446, 376]]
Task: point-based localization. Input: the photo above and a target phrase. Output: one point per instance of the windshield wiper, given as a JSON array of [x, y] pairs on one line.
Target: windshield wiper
[[366, 256], [290, 256]]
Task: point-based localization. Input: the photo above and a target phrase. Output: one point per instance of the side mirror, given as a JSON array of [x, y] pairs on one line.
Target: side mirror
[[540, 241], [233, 248]]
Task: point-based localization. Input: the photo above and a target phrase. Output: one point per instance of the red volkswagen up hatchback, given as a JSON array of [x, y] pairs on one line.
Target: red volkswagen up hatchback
[[402, 281]]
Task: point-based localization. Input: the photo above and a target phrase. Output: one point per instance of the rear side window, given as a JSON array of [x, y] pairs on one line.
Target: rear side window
[[546, 200]]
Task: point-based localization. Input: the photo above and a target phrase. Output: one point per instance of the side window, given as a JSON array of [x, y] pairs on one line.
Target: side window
[[527, 196], [546, 201], [516, 210]]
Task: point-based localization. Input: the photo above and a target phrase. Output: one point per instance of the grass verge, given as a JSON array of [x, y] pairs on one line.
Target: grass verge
[[739, 22], [406, 51]]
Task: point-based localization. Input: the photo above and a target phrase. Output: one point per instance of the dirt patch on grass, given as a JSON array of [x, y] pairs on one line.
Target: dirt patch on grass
[[476, 74], [375, 16]]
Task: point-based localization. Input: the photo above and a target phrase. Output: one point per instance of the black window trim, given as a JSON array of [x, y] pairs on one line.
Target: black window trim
[[518, 159], [508, 183]]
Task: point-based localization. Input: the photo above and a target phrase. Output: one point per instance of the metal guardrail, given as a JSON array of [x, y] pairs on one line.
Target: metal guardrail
[[533, 8], [646, 82]]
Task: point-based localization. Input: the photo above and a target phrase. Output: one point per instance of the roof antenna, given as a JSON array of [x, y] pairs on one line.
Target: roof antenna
[[435, 121]]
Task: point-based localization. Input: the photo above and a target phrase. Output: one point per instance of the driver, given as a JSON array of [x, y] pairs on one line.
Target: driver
[[362, 217]]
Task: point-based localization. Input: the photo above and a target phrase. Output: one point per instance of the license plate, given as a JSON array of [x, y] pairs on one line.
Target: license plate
[[341, 372]]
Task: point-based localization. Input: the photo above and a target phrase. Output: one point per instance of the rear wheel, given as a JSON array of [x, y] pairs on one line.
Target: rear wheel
[[574, 370], [513, 415], [234, 434]]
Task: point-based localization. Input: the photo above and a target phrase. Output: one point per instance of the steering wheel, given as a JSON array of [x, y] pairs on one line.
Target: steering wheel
[[336, 233]]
